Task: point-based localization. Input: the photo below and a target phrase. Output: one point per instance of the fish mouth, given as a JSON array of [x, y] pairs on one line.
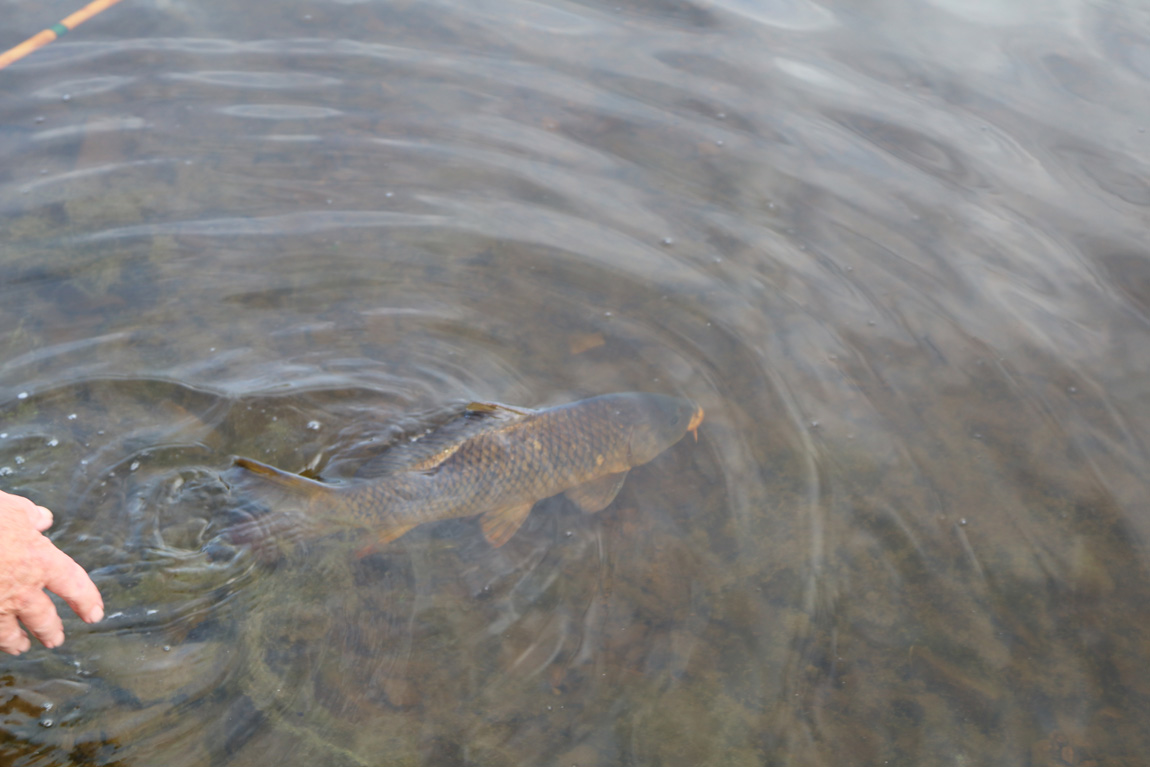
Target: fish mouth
[[693, 426]]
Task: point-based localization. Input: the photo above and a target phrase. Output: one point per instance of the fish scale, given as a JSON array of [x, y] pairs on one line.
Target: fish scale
[[499, 462]]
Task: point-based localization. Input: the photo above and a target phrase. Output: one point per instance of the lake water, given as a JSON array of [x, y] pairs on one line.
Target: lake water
[[897, 251]]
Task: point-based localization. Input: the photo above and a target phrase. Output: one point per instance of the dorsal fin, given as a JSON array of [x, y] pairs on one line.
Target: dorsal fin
[[495, 408], [426, 452]]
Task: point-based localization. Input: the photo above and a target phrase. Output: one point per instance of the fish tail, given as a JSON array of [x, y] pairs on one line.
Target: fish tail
[[268, 536]]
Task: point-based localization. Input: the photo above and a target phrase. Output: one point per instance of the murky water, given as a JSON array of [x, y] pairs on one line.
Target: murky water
[[897, 252]]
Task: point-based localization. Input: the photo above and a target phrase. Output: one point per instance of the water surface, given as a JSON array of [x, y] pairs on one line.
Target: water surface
[[896, 252]]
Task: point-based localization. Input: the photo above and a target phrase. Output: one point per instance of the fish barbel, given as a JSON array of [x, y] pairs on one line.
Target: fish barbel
[[497, 461]]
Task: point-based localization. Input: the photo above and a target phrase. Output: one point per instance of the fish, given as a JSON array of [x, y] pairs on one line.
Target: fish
[[496, 462]]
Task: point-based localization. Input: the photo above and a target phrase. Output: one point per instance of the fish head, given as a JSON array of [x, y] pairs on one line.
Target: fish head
[[655, 422]]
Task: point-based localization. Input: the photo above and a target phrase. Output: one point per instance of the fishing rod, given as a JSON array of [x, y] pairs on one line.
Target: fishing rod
[[55, 31]]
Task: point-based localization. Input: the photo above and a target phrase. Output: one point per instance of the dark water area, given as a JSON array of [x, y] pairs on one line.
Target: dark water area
[[895, 250]]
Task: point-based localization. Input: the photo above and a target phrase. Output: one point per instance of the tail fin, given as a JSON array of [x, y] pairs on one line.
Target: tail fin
[[285, 519], [270, 536]]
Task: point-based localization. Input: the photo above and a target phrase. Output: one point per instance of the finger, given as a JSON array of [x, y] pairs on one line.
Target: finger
[[39, 616], [69, 580], [41, 518], [13, 640]]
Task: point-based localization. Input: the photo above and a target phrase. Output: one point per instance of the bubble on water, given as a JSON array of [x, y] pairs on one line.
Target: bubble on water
[[22, 395], [313, 425], [47, 722], [135, 465], [71, 416], [5, 471], [668, 241], [4, 435], [53, 442], [18, 459]]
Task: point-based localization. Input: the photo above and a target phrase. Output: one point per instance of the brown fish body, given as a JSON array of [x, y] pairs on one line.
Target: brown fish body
[[498, 461]]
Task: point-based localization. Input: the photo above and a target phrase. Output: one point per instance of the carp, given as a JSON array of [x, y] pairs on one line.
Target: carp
[[496, 461]]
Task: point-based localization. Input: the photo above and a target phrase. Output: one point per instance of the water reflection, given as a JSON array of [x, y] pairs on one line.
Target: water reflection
[[897, 257]]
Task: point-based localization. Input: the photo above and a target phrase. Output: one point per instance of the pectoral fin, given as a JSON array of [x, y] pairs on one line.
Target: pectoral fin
[[500, 524], [597, 494]]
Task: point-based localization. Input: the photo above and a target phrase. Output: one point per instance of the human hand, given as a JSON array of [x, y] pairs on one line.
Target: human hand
[[30, 563]]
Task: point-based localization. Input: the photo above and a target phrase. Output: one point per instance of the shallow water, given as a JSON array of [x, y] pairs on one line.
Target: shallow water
[[897, 254]]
